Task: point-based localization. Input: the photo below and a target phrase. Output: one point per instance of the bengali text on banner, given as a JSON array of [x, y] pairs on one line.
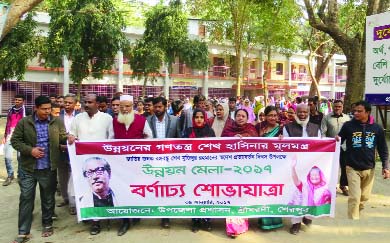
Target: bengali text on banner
[[213, 177]]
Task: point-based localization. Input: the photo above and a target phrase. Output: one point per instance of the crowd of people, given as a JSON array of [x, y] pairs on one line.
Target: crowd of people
[[41, 137]]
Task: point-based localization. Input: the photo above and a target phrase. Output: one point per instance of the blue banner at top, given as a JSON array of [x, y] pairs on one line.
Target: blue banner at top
[[378, 99]]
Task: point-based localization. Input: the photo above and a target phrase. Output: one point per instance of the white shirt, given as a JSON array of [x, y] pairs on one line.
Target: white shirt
[[98, 127], [68, 119], [160, 127]]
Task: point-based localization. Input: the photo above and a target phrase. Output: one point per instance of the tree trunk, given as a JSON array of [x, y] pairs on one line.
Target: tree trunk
[[144, 86], [18, 8], [239, 70], [267, 72], [79, 86], [354, 89]]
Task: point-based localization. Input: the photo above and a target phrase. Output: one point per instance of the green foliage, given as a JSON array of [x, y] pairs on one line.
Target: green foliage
[[145, 59], [195, 54], [348, 11], [277, 25], [167, 26], [165, 39], [88, 32], [19, 46]]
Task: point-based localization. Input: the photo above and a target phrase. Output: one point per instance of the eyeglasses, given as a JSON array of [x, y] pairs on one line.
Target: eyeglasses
[[97, 171]]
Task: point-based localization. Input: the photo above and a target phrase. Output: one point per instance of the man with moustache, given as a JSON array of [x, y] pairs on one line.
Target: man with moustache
[[148, 107], [38, 139], [163, 126], [330, 126], [65, 179], [301, 127], [129, 125], [115, 106], [92, 125]]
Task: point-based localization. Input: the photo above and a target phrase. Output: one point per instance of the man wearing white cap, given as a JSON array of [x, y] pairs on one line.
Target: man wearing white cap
[[129, 125]]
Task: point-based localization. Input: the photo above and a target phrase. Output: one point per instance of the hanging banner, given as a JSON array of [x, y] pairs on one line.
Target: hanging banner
[[378, 59], [213, 178]]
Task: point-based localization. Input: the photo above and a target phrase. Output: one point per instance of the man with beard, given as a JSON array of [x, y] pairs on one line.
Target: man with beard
[[129, 125], [92, 125], [163, 126], [301, 127]]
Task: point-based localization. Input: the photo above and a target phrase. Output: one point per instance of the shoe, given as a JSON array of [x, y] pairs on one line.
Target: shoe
[[54, 216], [165, 223], [307, 221], [233, 236], [136, 221], [95, 228], [72, 211], [63, 203], [124, 227], [295, 228], [22, 238], [195, 225], [345, 191], [207, 225], [8, 181]]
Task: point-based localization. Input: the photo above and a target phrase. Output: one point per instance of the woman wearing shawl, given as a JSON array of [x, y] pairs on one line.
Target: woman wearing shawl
[[239, 128], [312, 192], [199, 129], [270, 128], [221, 119]]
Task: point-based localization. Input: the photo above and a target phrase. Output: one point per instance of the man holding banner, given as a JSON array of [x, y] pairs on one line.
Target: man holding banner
[[362, 138], [128, 125], [163, 126], [301, 127], [91, 125]]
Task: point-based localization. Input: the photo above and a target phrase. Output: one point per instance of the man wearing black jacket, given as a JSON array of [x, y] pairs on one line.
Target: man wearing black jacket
[[362, 137]]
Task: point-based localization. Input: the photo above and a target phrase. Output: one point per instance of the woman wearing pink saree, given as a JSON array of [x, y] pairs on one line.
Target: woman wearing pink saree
[[313, 192]]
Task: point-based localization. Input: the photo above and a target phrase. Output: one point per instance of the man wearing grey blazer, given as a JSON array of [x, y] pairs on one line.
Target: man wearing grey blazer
[[163, 126]]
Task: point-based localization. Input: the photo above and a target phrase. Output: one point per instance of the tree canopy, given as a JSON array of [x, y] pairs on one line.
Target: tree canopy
[[88, 32], [165, 39], [20, 45]]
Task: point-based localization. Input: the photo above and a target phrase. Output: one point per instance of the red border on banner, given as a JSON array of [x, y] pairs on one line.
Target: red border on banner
[[205, 146]]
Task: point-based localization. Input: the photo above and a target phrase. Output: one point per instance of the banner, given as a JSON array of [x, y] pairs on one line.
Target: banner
[[213, 178], [378, 59]]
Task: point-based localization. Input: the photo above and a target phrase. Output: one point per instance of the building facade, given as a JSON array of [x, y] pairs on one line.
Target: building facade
[[287, 76]]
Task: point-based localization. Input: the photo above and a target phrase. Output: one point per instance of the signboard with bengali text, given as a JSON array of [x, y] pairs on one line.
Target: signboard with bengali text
[[213, 177], [378, 59]]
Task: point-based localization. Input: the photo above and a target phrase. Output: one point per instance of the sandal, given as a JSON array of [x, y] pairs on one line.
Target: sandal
[[47, 231], [72, 211], [22, 238]]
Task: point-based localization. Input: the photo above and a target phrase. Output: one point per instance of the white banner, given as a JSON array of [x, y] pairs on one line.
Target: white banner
[[378, 59], [212, 178]]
